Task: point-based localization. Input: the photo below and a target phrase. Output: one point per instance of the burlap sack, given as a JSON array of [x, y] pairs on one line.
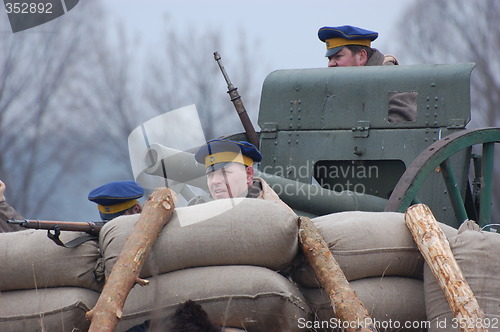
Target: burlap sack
[[53, 309], [224, 232], [248, 297], [394, 304], [478, 255], [29, 260], [367, 244]]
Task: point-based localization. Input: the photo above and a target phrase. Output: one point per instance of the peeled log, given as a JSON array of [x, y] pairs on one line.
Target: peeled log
[[345, 302], [436, 250], [125, 273]]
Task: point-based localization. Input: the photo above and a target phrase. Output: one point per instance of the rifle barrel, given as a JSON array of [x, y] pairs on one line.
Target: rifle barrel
[[16, 222], [91, 227], [238, 105]]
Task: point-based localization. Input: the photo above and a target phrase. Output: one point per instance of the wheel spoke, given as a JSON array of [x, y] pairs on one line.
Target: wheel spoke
[[454, 192], [486, 184]]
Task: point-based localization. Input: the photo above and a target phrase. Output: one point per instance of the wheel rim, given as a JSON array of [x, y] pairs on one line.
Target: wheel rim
[[437, 155]]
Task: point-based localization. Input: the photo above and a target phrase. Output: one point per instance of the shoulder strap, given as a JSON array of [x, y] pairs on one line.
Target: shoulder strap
[[70, 244]]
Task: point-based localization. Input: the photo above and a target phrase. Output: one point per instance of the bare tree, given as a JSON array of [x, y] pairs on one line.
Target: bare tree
[[111, 97], [453, 31], [185, 73], [40, 133], [71, 92]]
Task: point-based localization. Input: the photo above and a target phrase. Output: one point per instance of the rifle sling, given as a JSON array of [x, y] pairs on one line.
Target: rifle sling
[[70, 244]]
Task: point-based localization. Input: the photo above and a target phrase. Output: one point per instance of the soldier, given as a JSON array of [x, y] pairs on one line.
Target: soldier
[[117, 198], [348, 46], [189, 317], [7, 212], [230, 173]]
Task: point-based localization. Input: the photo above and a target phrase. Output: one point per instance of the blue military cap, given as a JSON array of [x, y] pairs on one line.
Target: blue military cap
[[220, 153], [115, 197], [338, 37]]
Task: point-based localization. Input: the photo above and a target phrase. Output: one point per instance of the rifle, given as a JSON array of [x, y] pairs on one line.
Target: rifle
[[92, 228], [238, 104]]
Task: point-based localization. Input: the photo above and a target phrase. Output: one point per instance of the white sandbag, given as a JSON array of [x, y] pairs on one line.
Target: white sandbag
[[478, 255], [248, 297], [394, 304], [367, 244], [223, 232], [59, 309], [29, 260]]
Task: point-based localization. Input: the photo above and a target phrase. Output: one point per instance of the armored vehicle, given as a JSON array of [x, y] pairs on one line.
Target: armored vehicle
[[328, 144]]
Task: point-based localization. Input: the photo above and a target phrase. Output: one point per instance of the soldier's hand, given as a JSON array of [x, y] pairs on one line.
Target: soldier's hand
[[2, 190]]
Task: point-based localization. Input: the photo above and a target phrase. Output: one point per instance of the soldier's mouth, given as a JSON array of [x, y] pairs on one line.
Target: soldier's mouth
[[220, 191]]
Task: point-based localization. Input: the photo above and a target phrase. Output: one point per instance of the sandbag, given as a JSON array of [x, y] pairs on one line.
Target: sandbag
[[223, 232], [248, 297], [478, 255], [59, 309], [394, 304], [367, 244], [29, 260]]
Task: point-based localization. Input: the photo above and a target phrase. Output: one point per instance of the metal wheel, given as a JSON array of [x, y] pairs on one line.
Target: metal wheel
[[436, 157]]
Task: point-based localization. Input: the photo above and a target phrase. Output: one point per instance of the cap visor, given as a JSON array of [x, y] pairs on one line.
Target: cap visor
[[215, 167], [333, 51]]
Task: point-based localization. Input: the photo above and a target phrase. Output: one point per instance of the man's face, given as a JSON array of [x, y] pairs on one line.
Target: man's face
[[232, 181], [346, 58]]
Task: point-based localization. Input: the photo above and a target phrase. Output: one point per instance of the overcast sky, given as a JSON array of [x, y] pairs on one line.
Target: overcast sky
[[287, 30]]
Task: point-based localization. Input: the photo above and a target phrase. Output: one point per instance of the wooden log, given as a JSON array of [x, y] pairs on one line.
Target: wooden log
[[436, 251], [125, 273], [346, 304]]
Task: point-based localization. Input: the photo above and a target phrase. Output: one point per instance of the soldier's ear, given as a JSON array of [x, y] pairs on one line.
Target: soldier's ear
[[363, 57], [250, 173]]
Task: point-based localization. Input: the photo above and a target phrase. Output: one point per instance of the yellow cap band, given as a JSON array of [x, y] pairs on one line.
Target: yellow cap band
[[116, 207], [227, 157], [335, 42]]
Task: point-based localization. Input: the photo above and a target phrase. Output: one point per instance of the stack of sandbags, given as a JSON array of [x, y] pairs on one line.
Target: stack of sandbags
[[478, 255], [225, 255], [382, 262], [394, 304], [44, 286], [242, 296]]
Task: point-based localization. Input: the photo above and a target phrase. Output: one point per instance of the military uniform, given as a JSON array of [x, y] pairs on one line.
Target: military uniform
[[402, 106]]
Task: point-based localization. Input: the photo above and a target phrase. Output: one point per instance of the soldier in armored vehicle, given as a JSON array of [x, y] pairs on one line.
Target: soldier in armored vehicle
[[348, 46]]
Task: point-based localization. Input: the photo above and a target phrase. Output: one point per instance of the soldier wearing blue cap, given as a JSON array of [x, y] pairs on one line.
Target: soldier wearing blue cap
[[230, 173], [117, 198], [351, 46], [348, 46]]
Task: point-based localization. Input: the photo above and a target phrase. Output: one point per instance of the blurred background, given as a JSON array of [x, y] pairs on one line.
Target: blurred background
[[73, 89]]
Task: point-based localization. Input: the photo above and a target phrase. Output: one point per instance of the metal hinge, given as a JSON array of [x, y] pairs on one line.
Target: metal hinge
[[269, 130], [362, 129], [456, 123]]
